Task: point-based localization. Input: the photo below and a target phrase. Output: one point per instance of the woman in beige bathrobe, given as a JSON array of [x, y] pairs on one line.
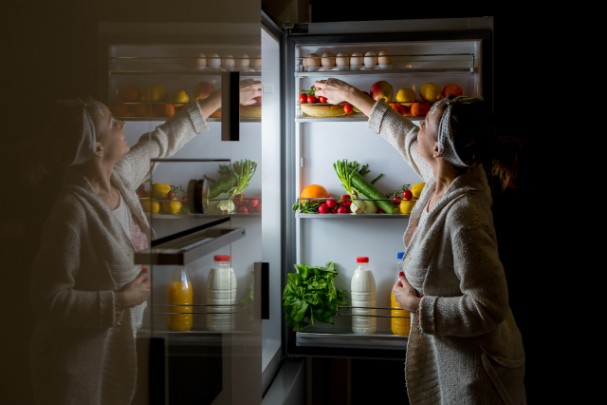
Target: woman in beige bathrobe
[[464, 346], [86, 291]]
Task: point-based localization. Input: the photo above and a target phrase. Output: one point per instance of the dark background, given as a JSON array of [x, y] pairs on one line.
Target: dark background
[[50, 51]]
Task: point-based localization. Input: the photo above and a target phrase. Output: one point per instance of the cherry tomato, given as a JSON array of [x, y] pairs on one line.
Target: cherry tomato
[[312, 99], [322, 99], [347, 108], [396, 199], [407, 195], [303, 98]]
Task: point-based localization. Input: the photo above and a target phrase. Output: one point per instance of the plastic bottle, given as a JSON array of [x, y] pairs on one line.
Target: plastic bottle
[[221, 295], [364, 294], [400, 323], [180, 299]]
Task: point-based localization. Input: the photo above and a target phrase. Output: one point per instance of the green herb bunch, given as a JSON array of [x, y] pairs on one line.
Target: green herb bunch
[[310, 296]]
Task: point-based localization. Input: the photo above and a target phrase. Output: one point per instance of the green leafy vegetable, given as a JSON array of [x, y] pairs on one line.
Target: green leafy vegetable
[[351, 175], [233, 179], [310, 296]]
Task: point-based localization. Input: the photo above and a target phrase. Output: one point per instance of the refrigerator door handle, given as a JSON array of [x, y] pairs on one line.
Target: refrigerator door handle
[[262, 290], [230, 106]]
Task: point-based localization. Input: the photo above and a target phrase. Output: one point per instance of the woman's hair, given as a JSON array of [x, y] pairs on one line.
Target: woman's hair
[[476, 141], [55, 147]]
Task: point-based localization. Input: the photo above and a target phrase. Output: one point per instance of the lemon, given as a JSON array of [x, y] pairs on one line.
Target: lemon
[[405, 95], [180, 98], [416, 189], [430, 92], [158, 92], [172, 207], [151, 206], [160, 190], [406, 206]]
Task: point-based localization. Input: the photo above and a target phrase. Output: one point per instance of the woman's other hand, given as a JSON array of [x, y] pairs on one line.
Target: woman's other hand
[[136, 291], [405, 294]]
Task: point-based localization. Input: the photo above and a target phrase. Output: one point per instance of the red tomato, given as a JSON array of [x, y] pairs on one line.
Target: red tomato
[[396, 199], [312, 99], [407, 195], [322, 99], [303, 98], [347, 108]]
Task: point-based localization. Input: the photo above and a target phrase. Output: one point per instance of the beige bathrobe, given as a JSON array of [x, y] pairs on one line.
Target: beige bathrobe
[[465, 347], [79, 353]]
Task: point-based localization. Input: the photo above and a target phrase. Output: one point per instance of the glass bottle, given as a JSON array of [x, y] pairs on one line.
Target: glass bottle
[[180, 299], [221, 295], [364, 298], [400, 323]]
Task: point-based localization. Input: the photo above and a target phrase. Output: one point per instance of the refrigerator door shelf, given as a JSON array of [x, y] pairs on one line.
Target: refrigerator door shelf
[[185, 249], [351, 341]]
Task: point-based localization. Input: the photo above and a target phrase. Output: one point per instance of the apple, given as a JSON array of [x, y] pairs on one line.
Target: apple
[[382, 90], [203, 90]]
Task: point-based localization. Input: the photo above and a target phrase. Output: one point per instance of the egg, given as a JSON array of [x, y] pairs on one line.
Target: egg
[[370, 60], [214, 61], [201, 62], [227, 62], [244, 61], [256, 62], [328, 60], [342, 60], [356, 60], [312, 61], [384, 58]]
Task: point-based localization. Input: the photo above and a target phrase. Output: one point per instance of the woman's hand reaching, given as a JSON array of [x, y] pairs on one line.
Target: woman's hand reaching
[[249, 91], [337, 91]]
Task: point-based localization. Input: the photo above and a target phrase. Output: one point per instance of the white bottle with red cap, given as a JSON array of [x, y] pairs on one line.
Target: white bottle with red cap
[[364, 298], [221, 295]]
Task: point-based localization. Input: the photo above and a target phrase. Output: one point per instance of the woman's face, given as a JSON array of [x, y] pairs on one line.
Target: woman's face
[[110, 134], [428, 133]]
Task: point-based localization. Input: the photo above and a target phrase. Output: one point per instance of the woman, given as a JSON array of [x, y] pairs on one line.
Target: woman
[[465, 347], [86, 291]]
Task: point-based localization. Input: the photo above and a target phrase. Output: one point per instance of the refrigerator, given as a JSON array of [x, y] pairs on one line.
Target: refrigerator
[[263, 359]]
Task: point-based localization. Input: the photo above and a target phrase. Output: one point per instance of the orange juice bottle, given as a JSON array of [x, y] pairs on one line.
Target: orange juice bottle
[[400, 323], [180, 299]]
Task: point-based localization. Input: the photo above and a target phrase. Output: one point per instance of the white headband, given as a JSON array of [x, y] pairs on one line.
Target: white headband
[[446, 146], [86, 145]]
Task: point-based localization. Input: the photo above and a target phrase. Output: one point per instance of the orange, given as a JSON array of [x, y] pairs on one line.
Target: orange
[[129, 93], [419, 109], [164, 110], [452, 88], [314, 191]]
